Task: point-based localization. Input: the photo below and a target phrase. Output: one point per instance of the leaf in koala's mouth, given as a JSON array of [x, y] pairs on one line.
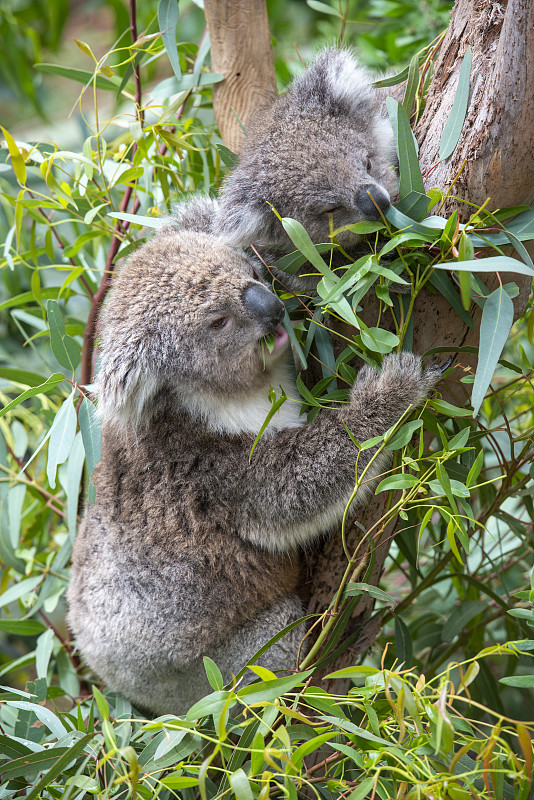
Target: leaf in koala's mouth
[[269, 341], [274, 343]]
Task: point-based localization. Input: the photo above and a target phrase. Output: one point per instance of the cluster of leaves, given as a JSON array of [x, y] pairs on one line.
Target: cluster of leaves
[[392, 735], [426, 720]]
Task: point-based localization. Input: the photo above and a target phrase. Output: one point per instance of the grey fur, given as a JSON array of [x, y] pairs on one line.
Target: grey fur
[[190, 548], [325, 144]]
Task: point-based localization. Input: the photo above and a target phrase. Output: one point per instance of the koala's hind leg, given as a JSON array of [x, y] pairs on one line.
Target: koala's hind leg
[[178, 692], [233, 654]]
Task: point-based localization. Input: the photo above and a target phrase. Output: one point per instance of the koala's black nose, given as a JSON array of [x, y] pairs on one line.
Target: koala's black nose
[[263, 305], [366, 205]]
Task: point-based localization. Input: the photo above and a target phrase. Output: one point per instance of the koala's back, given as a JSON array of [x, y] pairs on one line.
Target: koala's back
[[152, 582]]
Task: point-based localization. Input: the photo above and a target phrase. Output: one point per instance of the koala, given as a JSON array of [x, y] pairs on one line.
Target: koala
[[192, 546], [321, 154]]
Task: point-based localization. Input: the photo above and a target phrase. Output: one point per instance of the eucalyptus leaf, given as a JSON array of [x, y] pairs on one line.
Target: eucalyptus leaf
[[168, 19], [65, 348], [62, 435], [455, 121], [495, 326]]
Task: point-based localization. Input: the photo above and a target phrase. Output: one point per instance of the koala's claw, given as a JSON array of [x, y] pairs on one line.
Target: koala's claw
[[446, 365]]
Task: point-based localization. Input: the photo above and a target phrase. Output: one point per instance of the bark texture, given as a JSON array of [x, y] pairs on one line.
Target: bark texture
[[241, 51], [497, 145]]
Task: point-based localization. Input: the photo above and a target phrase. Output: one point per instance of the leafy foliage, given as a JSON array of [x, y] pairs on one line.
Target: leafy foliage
[[445, 710]]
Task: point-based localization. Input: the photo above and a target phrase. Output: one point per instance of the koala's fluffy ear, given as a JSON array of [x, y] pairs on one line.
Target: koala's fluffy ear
[[337, 84], [198, 213], [240, 224], [127, 380]]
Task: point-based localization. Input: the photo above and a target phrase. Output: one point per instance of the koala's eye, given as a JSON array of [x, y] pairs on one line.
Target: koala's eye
[[220, 322], [369, 165], [333, 210], [255, 274]]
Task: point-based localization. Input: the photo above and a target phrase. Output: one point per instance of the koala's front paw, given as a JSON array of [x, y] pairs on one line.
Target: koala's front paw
[[401, 382]]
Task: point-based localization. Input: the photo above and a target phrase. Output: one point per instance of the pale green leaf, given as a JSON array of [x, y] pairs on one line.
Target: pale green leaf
[[495, 325], [168, 19], [453, 126]]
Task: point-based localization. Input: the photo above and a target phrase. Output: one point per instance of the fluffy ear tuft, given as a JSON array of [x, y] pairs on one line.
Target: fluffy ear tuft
[[337, 83], [198, 213], [124, 386], [239, 224]]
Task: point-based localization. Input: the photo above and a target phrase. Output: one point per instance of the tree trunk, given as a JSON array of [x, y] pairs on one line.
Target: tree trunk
[[241, 51], [497, 145]]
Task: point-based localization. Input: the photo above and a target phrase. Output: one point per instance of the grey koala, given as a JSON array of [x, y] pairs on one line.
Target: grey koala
[[318, 155], [192, 547]]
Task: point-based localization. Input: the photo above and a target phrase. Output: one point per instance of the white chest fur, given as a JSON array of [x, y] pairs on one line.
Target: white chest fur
[[247, 413]]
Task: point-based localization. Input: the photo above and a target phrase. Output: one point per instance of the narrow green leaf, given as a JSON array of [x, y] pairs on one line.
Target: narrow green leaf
[[300, 238], [62, 436], [350, 727], [178, 782], [72, 482], [17, 161], [267, 691], [453, 126], [495, 325], [403, 642], [213, 703], [401, 481], [80, 75], [492, 264], [168, 19], [22, 627], [465, 289], [91, 434], [410, 179], [475, 470], [411, 85], [20, 589], [227, 157], [59, 766], [519, 681], [101, 702], [149, 222], [65, 348], [443, 407], [43, 388], [401, 437], [306, 748], [323, 8], [30, 763], [43, 651], [213, 674], [240, 785], [414, 205], [47, 717], [354, 589], [379, 340]]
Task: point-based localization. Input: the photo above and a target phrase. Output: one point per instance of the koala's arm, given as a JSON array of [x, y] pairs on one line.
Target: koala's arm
[[300, 479]]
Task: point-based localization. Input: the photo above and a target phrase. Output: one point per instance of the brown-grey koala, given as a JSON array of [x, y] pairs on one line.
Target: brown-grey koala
[[318, 154], [191, 547]]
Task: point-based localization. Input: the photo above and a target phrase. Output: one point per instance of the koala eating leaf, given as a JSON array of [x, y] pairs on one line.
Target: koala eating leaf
[[191, 547], [321, 154]]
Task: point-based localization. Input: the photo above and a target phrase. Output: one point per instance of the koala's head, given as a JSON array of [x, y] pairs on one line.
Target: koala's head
[[186, 315], [316, 155]]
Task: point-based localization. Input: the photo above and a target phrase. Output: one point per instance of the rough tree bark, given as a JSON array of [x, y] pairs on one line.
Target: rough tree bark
[[497, 145], [241, 51]]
